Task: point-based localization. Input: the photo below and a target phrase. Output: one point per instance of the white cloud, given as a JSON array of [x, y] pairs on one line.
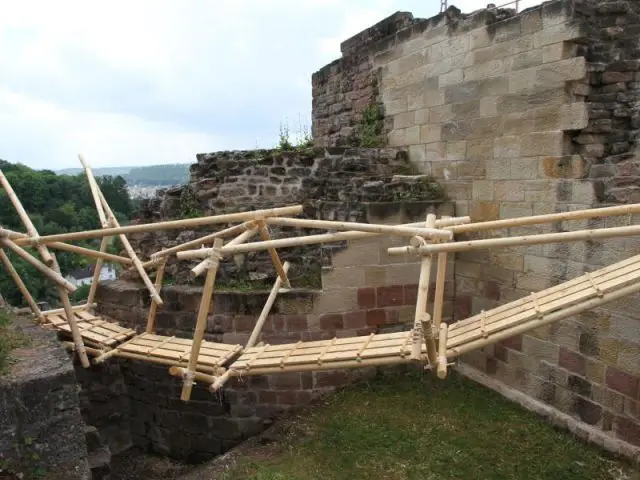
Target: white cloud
[[159, 81]]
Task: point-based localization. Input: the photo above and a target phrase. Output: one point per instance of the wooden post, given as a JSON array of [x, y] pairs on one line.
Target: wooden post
[[50, 260], [438, 299], [44, 253], [267, 308], [21, 286], [167, 225], [421, 315], [539, 239], [442, 351], [244, 236], [201, 323], [96, 274], [275, 258], [154, 306]]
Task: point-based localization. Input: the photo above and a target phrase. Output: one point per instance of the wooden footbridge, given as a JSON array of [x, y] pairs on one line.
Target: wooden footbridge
[[430, 342]]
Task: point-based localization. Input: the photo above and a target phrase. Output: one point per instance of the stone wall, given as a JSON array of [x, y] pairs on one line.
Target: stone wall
[[42, 433], [331, 184], [363, 290], [518, 115]]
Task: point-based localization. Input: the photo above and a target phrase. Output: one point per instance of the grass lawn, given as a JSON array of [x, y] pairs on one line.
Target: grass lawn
[[414, 426]]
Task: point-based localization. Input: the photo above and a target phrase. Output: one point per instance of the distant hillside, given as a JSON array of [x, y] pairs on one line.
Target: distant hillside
[[152, 175]]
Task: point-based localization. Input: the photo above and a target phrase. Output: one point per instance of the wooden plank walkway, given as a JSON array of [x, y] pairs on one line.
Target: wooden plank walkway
[[95, 331]]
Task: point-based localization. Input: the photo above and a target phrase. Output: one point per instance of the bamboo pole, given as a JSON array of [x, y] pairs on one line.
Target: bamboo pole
[[442, 351], [431, 232], [199, 376], [72, 347], [267, 308], [71, 320], [438, 299], [421, 315], [127, 246], [303, 240], [275, 258], [545, 320], [151, 318], [98, 268], [219, 382], [88, 252], [75, 308], [243, 237], [578, 235], [203, 312], [31, 229], [38, 265], [21, 286], [548, 218], [156, 257], [167, 225], [93, 186]]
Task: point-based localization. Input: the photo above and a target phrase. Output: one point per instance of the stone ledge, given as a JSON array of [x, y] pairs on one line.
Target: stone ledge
[[554, 416]]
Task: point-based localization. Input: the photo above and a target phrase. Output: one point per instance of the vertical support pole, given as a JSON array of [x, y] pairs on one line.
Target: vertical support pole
[[275, 258], [439, 294], [151, 319], [421, 315], [51, 260], [203, 312], [442, 351], [96, 275], [266, 309], [21, 286]]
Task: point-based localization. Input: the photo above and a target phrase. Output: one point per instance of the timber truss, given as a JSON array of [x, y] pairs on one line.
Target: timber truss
[[429, 342]]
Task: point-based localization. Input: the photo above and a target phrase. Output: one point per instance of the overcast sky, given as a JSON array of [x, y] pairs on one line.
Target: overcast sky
[[142, 82]]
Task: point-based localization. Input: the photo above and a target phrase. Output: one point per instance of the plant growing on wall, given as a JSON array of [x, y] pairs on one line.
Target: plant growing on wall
[[371, 127], [188, 204]]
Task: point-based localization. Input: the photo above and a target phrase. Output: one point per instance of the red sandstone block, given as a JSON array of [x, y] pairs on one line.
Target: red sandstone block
[[367, 297], [500, 353], [514, 343], [331, 321], [572, 361], [393, 317], [376, 317], [390, 296], [410, 294], [316, 335], [622, 382], [357, 319], [304, 397], [243, 323], [365, 331], [307, 380], [296, 323], [287, 398], [267, 396], [628, 430], [462, 307], [286, 381]]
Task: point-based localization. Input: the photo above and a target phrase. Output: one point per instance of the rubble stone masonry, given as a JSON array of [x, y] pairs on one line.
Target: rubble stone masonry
[[520, 114]]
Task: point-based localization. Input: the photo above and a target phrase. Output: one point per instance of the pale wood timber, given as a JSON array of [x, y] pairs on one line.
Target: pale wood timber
[[201, 321], [93, 186], [21, 286], [273, 253], [91, 351], [151, 318], [123, 239], [98, 268], [267, 308], [88, 252], [176, 371], [219, 382], [539, 239], [438, 299], [93, 329], [442, 351], [167, 225], [31, 229], [75, 308], [431, 233], [548, 218], [155, 257], [75, 331], [243, 237], [421, 315]]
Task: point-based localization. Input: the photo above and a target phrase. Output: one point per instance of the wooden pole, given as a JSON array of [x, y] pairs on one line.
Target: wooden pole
[[548, 218], [199, 376], [203, 265], [442, 352], [431, 233], [421, 315], [93, 185], [303, 240], [275, 258], [21, 286], [151, 318], [44, 253], [267, 308], [438, 299], [167, 225], [37, 264], [203, 312], [578, 235], [75, 308], [198, 242], [88, 252], [98, 268]]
